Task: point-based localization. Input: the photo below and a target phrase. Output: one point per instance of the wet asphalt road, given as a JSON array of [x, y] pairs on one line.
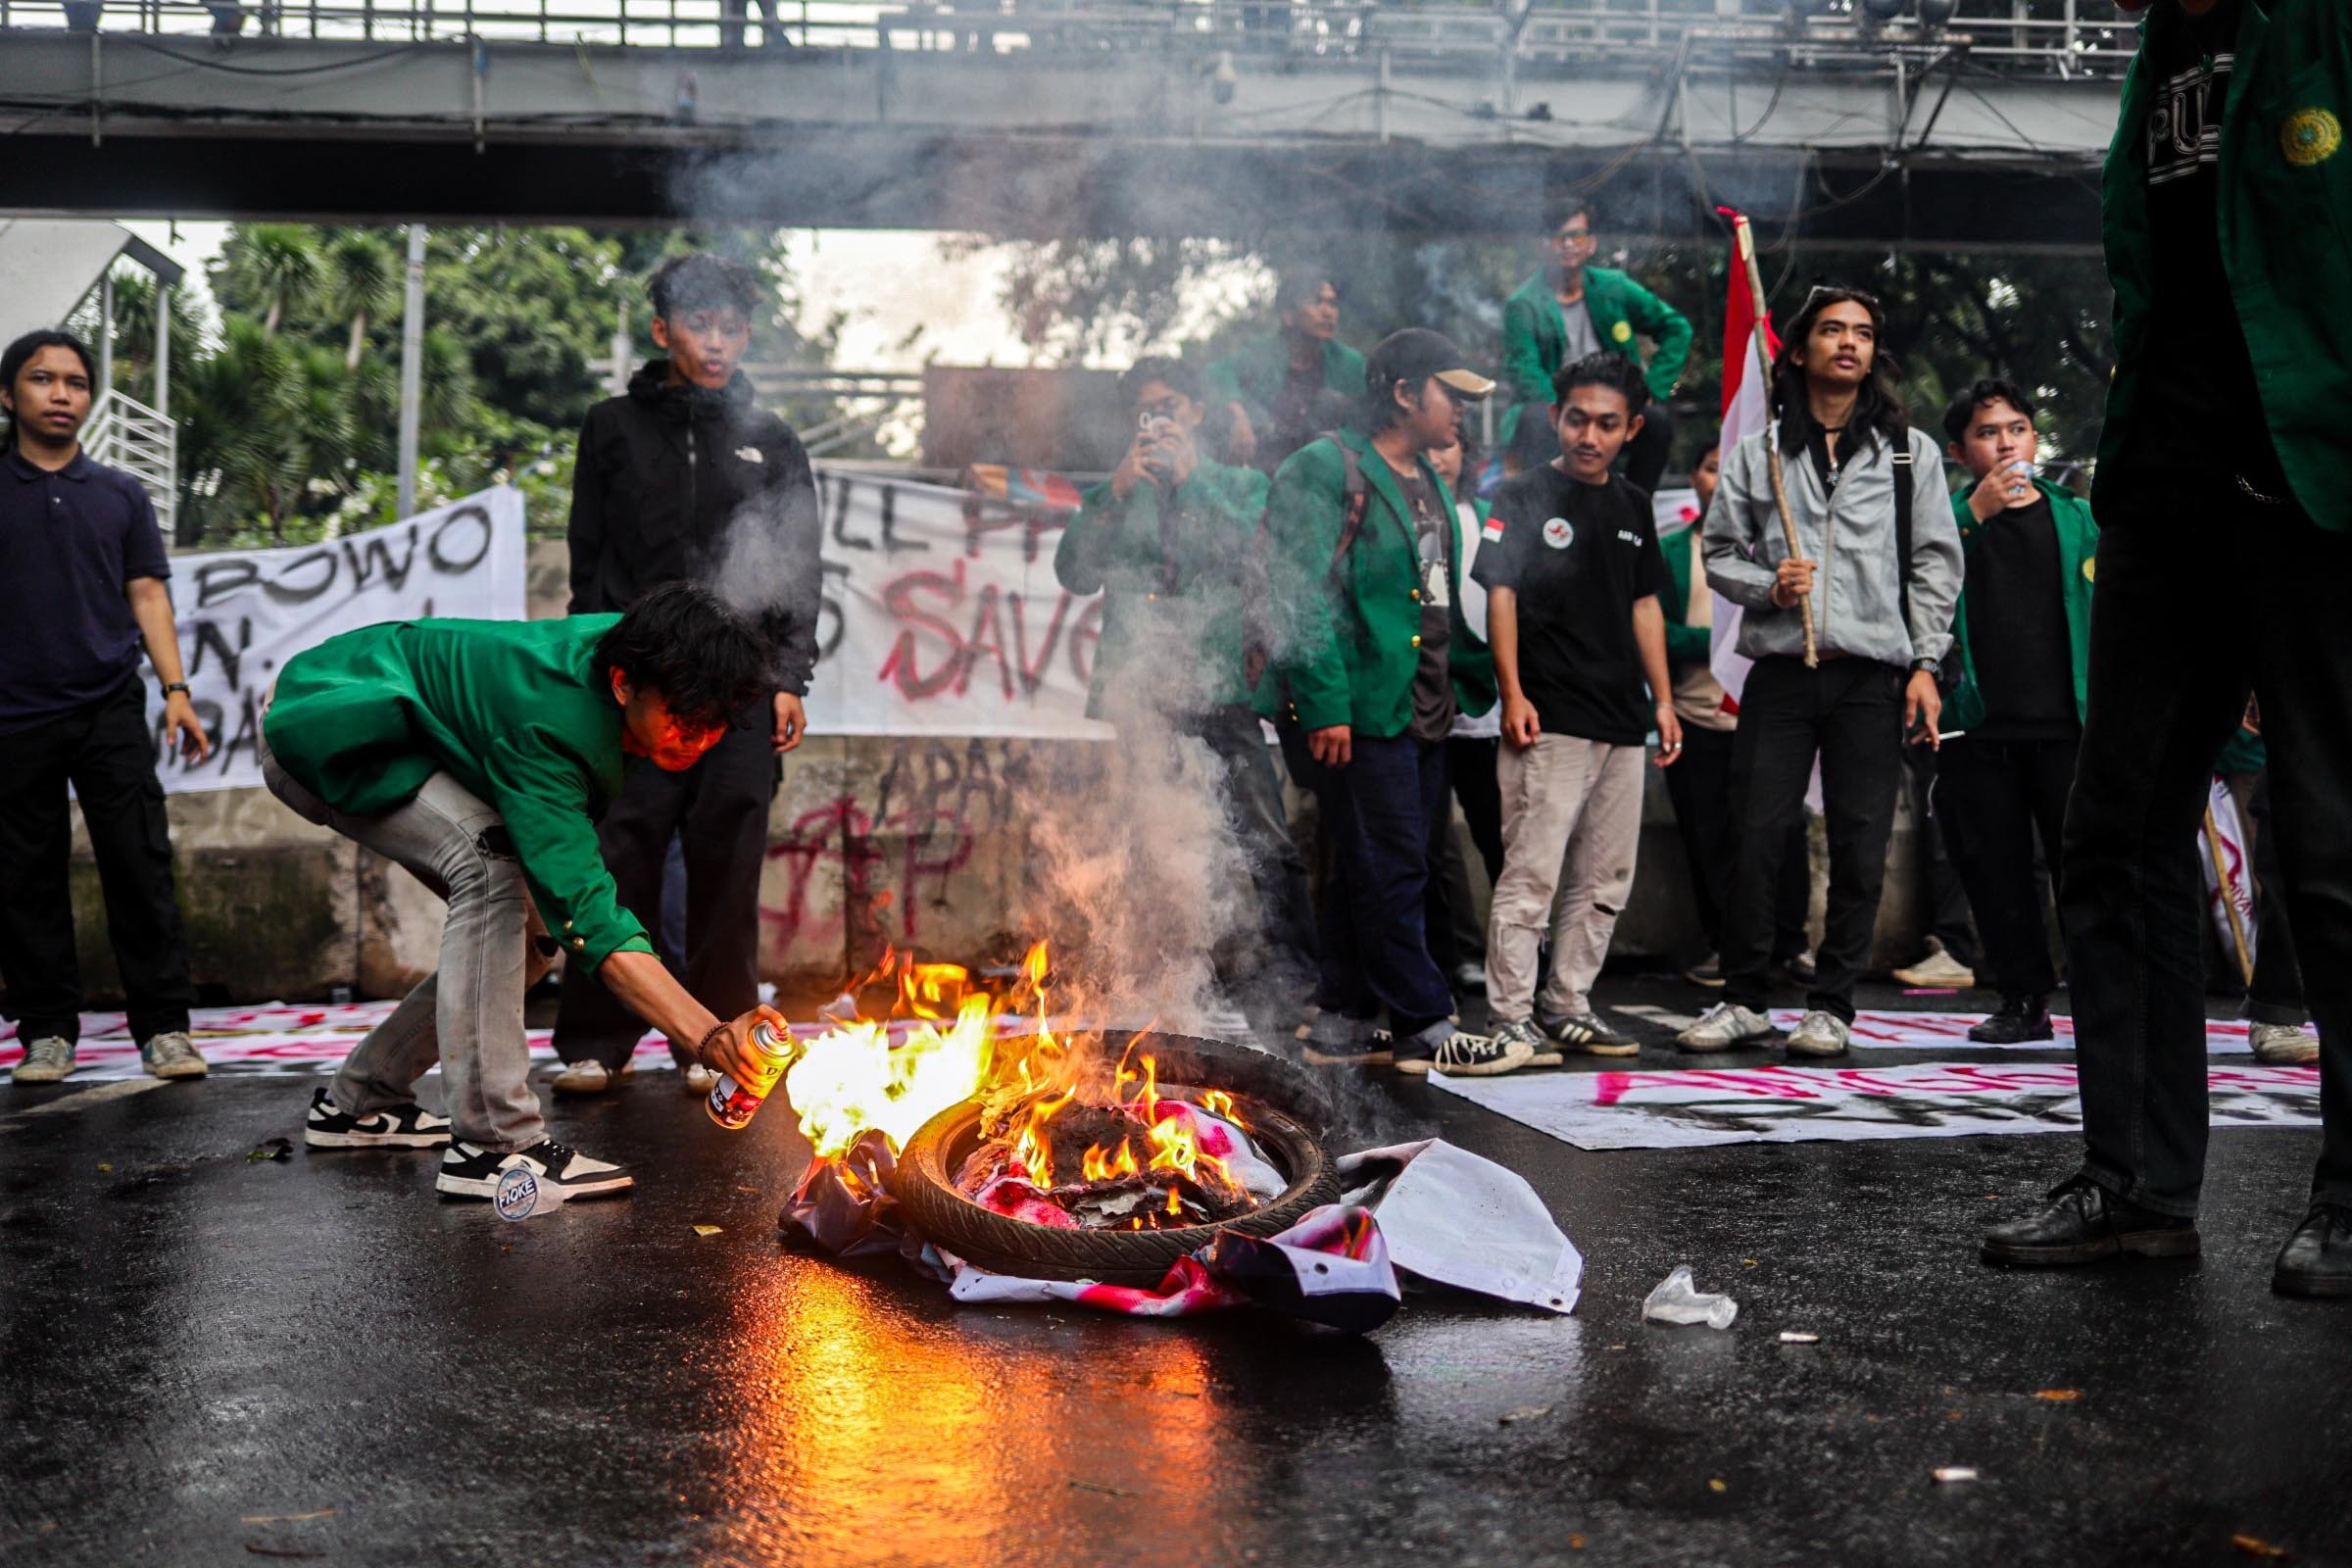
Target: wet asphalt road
[[209, 1360]]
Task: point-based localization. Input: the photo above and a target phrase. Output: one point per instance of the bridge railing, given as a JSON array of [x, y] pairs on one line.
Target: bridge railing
[[126, 433], [2063, 38]]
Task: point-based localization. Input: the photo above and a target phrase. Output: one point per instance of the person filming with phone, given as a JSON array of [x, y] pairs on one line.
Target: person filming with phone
[[1162, 540]]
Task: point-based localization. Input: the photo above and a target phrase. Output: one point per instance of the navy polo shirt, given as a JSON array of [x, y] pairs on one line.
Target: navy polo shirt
[[69, 541]]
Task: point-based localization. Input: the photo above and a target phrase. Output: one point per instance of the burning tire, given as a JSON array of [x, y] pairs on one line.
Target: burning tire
[[924, 1182]]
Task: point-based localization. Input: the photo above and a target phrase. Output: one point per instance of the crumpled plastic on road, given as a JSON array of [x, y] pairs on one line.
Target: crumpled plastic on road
[[1428, 1209]]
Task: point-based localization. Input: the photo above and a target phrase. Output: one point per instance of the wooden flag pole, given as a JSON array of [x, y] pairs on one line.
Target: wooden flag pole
[[1771, 433]]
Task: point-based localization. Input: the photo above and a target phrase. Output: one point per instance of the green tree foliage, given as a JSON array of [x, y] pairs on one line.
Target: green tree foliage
[[291, 412], [1951, 318]]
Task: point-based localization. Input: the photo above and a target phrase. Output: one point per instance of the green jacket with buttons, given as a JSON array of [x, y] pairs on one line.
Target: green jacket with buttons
[[1347, 639], [2078, 553], [1171, 595], [511, 710], [1535, 337], [1253, 375], [1686, 644], [2286, 177]]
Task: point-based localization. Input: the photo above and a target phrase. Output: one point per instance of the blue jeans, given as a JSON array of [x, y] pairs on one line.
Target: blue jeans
[[1379, 818]]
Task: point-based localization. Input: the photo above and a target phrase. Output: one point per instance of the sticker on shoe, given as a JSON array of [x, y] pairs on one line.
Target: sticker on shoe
[[520, 1194]]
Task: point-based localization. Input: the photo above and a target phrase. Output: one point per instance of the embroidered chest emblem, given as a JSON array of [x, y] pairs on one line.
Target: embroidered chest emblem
[[2310, 137], [1559, 533]]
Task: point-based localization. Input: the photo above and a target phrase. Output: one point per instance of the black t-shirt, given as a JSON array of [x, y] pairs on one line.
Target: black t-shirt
[[1433, 679], [2197, 378], [1578, 556], [2017, 633], [70, 543]]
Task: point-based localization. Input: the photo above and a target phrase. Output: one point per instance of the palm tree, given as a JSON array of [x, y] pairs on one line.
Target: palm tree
[[273, 267], [364, 280]]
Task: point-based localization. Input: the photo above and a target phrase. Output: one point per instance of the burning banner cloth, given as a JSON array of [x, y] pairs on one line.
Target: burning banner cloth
[[1153, 1177]]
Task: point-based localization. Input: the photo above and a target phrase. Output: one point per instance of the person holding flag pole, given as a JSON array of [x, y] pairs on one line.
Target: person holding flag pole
[[1864, 519]]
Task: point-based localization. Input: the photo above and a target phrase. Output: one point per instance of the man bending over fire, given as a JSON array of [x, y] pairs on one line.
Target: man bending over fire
[[478, 754]]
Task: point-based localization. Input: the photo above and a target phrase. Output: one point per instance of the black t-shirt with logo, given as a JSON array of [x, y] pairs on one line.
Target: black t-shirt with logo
[[1577, 556], [2198, 382]]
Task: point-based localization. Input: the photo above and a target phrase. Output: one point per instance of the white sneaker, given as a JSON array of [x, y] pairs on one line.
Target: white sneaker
[[47, 1060], [1727, 1026], [470, 1171], [697, 1079], [592, 1077], [171, 1054], [1937, 971], [2276, 1045], [1821, 1034]]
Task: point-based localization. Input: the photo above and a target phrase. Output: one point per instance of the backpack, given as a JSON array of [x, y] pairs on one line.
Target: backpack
[[1257, 613]]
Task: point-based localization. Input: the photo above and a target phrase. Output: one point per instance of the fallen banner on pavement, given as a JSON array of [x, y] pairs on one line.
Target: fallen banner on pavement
[[1949, 1031], [1694, 1106]]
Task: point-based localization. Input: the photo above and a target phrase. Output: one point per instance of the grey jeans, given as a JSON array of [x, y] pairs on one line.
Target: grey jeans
[[1570, 829], [468, 1015]]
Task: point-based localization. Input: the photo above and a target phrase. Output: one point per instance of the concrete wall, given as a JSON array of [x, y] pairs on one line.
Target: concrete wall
[[915, 840]]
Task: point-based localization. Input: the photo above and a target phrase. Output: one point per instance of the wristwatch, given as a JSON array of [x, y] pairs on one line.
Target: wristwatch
[[176, 686], [1927, 667]]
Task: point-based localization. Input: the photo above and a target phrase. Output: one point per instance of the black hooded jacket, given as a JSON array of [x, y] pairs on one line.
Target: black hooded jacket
[[680, 481]]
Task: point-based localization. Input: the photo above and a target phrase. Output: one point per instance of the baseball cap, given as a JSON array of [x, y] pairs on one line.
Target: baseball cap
[[1415, 355]]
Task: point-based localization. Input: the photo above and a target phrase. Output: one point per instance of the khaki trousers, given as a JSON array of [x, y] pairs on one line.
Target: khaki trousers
[[1571, 827]]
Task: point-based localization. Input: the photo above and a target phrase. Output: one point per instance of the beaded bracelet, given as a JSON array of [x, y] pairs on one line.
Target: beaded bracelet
[[702, 1053]]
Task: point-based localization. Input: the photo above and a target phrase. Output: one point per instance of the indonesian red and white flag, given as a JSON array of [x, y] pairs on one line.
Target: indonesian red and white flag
[[1746, 410]]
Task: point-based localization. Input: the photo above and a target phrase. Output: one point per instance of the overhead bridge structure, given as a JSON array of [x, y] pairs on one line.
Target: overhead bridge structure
[[1237, 118]]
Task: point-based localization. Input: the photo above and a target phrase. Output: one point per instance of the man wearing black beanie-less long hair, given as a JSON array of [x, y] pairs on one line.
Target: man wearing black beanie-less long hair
[[1878, 571]]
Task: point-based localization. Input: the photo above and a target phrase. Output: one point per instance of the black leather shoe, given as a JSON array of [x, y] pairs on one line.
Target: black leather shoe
[[2317, 1259], [2021, 1019], [2083, 1223]]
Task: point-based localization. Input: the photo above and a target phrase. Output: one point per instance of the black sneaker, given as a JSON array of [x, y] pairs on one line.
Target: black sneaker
[[1335, 1039], [470, 1172], [409, 1126], [1590, 1034], [1461, 1054], [2020, 1020]]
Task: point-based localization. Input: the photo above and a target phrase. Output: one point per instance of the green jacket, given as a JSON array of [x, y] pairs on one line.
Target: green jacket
[[1166, 597], [1686, 644], [1346, 650], [2286, 235], [2077, 552], [2243, 752], [511, 710], [1253, 375], [1535, 337]]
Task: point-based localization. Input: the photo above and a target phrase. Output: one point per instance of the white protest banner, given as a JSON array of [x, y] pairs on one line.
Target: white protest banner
[[942, 616], [244, 613], [1949, 1031], [1777, 1104]]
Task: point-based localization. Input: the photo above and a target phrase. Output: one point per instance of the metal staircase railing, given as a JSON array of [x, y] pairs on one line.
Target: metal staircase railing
[[125, 433]]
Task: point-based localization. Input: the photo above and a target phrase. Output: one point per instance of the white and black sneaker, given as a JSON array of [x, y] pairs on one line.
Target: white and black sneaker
[[409, 1126], [469, 1171]]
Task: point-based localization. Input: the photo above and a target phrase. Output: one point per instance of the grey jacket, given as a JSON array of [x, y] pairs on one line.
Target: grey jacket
[[1856, 594]]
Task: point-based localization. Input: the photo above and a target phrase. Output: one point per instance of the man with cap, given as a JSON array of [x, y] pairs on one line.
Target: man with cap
[[1369, 660]]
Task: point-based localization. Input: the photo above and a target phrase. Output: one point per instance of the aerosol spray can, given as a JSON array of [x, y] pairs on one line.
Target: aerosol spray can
[[733, 1105]]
